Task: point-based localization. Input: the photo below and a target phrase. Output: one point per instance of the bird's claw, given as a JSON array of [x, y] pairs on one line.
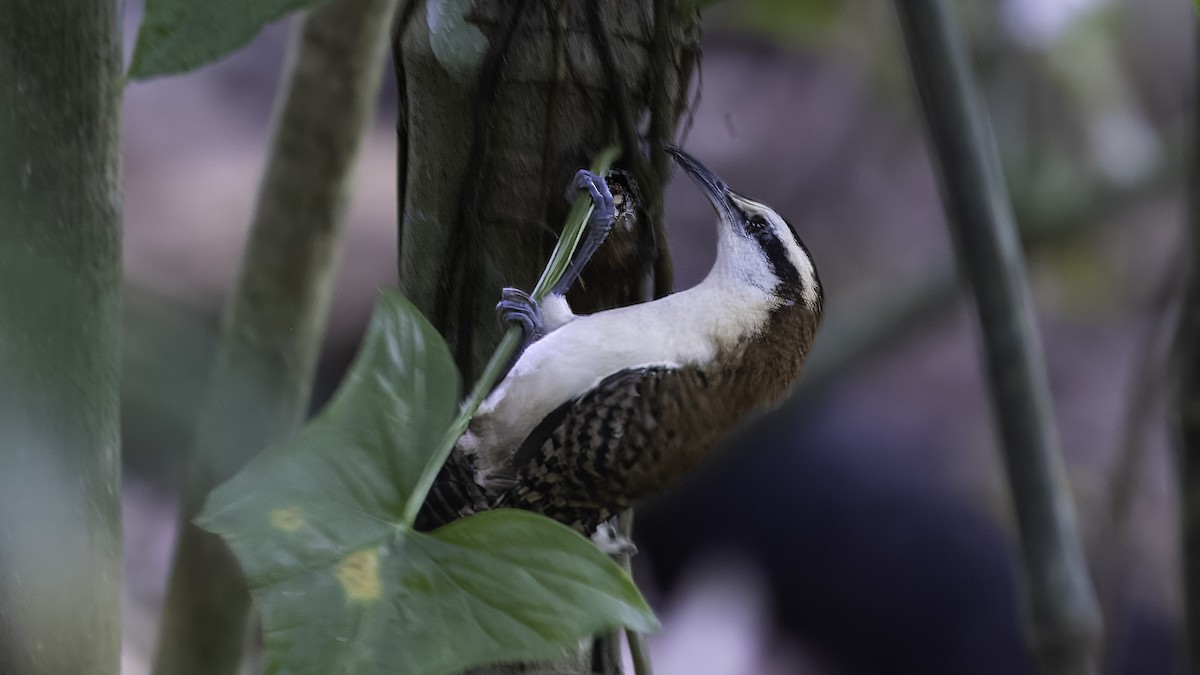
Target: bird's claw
[[516, 306], [602, 199], [598, 226]]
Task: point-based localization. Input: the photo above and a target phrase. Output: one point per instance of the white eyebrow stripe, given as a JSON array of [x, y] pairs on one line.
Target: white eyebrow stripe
[[800, 260], [808, 277], [799, 256]]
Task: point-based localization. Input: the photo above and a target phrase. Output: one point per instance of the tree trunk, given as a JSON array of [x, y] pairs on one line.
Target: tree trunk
[[499, 108], [501, 102], [60, 275]]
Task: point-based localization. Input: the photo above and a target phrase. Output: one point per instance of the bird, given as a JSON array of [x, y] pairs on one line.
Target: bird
[[603, 410]]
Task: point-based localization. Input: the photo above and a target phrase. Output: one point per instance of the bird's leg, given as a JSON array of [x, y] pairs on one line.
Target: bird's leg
[[516, 306], [598, 226]]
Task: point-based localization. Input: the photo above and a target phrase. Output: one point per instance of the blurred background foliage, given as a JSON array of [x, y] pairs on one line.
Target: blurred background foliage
[[864, 528]]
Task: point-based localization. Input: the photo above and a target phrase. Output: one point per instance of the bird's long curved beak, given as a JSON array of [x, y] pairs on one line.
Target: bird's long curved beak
[[714, 188]]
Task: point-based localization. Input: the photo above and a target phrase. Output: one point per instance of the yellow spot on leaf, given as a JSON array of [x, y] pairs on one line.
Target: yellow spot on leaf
[[359, 574], [289, 519]]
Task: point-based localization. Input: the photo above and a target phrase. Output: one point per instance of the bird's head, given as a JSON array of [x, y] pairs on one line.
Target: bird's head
[[756, 245]]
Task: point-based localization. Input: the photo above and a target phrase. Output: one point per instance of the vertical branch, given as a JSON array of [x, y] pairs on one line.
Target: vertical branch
[[1187, 349], [1063, 611], [493, 137], [274, 324], [60, 307]]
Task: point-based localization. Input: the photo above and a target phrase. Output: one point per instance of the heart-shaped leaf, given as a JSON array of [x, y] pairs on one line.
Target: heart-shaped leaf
[[345, 585]]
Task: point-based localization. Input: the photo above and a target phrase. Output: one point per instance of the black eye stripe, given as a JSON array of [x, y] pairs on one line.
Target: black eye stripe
[[782, 266], [777, 256]]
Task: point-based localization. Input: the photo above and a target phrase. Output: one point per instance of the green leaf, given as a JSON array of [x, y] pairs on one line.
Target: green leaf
[[179, 35], [345, 585], [499, 586]]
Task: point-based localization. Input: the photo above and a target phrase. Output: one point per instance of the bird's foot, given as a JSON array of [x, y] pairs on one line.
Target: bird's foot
[[610, 542], [602, 199], [598, 226], [516, 306]]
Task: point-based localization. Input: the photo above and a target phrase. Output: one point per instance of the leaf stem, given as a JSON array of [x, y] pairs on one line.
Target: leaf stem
[[577, 219], [639, 650]]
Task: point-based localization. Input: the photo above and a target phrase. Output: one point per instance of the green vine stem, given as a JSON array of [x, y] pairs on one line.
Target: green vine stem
[[639, 650], [577, 218]]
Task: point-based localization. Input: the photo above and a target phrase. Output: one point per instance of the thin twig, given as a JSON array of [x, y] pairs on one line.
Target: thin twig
[[1062, 607], [1150, 372], [1125, 477]]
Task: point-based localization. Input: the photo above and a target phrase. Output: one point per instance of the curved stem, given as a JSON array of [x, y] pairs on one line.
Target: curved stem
[[577, 218]]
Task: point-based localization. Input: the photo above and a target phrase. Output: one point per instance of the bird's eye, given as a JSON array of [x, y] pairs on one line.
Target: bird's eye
[[756, 224]]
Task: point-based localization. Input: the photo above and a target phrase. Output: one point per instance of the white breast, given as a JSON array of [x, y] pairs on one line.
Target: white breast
[[687, 328]]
